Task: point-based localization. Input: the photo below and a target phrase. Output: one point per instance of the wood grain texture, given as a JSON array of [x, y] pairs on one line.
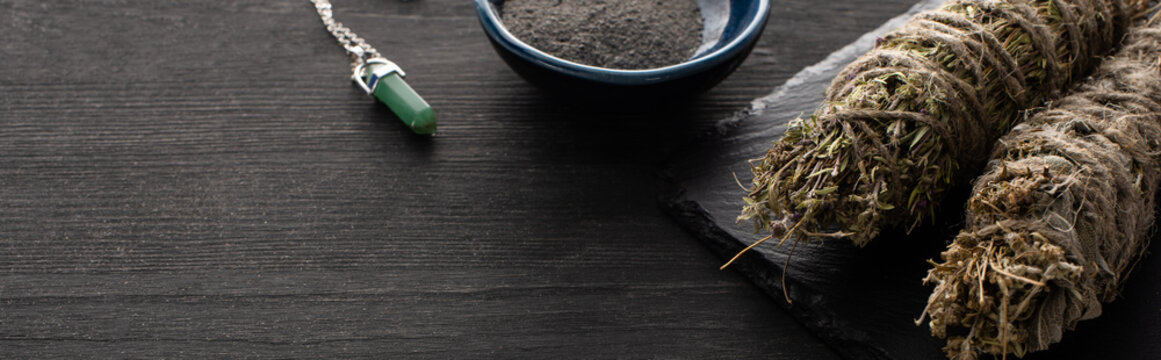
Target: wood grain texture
[[198, 178]]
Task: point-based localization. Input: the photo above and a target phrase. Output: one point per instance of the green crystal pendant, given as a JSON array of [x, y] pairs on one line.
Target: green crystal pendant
[[384, 80]]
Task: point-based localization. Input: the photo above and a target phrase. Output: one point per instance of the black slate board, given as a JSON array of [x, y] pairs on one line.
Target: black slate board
[[863, 301]]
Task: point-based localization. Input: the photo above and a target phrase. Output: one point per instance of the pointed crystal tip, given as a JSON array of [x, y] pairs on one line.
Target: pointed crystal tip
[[392, 91]]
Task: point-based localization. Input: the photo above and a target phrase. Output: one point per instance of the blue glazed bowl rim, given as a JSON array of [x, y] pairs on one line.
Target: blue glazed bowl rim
[[494, 29]]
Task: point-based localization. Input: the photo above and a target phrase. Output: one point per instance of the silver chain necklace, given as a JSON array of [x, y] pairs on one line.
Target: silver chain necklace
[[378, 76]]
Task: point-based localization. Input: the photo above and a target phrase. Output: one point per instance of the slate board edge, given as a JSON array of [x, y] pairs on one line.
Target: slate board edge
[[766, 275], [759, 270]]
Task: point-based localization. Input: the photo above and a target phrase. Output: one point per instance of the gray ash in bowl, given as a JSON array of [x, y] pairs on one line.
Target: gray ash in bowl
[[618, 34]]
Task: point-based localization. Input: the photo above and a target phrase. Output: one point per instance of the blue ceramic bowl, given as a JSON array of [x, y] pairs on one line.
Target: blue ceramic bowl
[[732, 29]]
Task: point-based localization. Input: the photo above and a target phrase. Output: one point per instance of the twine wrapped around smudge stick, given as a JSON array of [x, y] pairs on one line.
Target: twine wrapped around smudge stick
[[1061, 216], [918, 113]]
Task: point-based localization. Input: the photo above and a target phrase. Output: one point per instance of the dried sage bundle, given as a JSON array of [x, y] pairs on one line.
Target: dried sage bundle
[[918, 113], [1060, 217]]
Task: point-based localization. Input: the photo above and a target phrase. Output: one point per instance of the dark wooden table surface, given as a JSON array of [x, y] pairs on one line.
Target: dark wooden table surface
[[199, 178]]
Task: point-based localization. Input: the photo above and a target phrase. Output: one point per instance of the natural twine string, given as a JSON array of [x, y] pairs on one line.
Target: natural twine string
[[916, 115], [1060, 217]]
